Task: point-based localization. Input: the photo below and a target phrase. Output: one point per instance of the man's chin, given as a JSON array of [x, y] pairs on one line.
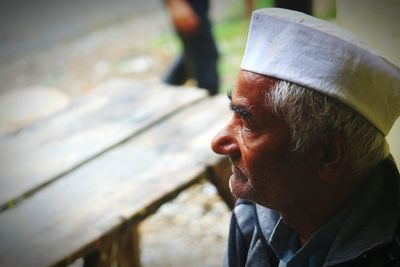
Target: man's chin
[[239, 187]]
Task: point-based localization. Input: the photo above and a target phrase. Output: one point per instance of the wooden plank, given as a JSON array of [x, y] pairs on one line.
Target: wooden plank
[[62, 221], [119, 109]]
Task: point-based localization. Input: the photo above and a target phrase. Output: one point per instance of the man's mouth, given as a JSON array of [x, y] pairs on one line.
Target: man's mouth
[[238, 173]]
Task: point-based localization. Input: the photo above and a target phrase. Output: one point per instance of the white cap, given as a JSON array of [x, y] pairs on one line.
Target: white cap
[[298, 48]]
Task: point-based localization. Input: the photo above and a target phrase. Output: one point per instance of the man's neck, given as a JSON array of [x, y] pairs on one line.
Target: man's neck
[[317, 212]]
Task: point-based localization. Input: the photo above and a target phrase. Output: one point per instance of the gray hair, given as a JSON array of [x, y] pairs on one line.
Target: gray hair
[[310, 115]]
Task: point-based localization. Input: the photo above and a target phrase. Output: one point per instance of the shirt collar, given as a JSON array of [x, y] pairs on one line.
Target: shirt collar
[[282, 239], [285, 243]]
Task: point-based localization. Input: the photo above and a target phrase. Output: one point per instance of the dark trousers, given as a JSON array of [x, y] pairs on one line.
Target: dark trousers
[[199, 57], [304, 6]]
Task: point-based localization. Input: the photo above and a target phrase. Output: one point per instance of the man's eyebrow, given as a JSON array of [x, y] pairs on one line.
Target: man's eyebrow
[[241, 111]]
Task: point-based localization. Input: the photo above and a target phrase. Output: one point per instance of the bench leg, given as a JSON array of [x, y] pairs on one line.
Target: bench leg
[[92, 259], [219, 176], [122, 248], [129, 249]]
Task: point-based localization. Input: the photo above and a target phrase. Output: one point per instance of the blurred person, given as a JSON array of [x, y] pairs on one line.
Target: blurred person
[[199, 54], [311, 169]]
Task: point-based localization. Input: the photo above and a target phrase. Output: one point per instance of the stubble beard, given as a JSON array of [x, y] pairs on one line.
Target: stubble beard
[[241, 184]]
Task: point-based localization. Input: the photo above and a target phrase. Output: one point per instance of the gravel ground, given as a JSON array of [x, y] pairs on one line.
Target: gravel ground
[[189, 231], [192, 229]]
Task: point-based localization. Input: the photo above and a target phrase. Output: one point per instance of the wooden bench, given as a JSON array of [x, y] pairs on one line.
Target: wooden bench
[[79, 183]]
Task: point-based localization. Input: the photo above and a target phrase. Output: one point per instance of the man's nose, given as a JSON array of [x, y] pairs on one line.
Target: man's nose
[[225, 142]]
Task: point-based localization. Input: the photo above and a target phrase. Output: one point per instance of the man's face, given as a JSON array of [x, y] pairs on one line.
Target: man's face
[[257, 143]]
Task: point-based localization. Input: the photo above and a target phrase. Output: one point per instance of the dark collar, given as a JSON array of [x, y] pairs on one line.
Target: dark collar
[[374, 216], [372, 220]]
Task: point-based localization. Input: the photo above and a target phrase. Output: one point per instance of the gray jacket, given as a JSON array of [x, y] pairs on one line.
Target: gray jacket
[[369, 236]]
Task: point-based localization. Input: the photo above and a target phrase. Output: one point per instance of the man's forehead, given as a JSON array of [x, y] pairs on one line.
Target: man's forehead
[[251, 86], [250, 93]]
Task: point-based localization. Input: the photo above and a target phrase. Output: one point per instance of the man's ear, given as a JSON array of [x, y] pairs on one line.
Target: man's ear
[[334, 156]]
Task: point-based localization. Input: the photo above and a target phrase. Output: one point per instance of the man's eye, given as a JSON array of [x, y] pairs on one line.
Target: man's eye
[[247, 129], [248, 126]]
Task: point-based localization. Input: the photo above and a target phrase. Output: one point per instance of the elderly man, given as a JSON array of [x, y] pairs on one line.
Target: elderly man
[[311, 169]]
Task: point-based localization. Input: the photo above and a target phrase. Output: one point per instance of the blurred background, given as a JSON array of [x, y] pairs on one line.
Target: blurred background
[[53, 51]]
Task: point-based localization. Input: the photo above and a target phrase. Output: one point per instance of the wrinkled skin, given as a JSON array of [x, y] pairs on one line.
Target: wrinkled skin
[[264, 169]]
